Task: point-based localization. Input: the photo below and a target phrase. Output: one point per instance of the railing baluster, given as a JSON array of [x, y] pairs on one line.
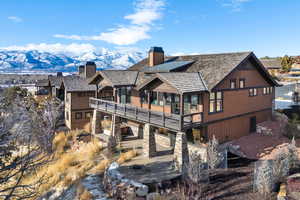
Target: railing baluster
[[125, 109], [136, 112]]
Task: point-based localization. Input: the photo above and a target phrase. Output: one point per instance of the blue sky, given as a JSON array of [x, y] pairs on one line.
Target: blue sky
[[267, 27]]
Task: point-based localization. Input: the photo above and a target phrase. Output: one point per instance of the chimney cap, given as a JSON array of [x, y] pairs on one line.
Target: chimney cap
[[81, 66], [59, 74], [156, 49], [90, 63]]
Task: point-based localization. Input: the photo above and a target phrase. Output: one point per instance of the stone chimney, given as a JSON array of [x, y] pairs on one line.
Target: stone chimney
[[59, 74], [90, 69], [156, 56], [81, 70]]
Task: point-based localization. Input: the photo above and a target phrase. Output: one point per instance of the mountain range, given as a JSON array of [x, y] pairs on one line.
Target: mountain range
[[20, 61]]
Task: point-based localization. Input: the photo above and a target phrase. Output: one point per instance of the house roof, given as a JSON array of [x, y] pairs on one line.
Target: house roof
[[184, 82], [42, 83], [212, 67], [167, 66], [76, 84], [117, 77], [271, 63], [55, 80]]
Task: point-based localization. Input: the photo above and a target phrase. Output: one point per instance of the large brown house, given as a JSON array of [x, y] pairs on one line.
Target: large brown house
[[224, 95]]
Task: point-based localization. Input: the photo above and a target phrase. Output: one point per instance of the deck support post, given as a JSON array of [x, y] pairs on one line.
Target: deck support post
[[96, 122], [181, 153], [149, 145], [116, 128]]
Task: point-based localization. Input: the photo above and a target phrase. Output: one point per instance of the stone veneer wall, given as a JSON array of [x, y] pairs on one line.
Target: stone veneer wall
[[149, 145]]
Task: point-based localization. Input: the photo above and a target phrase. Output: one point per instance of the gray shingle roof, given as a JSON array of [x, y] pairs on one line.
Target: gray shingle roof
[[212, 67], [76, 83], [184, 81], [120, 77], [167, 66]]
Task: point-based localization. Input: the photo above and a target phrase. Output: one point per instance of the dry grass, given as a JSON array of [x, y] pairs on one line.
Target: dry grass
[[68, 166], [101, 166], [124, 157]]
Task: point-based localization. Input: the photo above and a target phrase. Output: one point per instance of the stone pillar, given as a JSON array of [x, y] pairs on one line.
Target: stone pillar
[[116, 128], [96, 122], [181, 153], [149, 146]]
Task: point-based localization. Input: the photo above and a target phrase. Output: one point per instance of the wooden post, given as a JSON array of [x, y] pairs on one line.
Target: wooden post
[[181, 112], [148, 92], [135, 112]]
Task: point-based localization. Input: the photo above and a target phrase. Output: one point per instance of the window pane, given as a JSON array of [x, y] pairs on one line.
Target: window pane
[[194, 99], [242, 83], [160, 98], [232, 84], [219, 105], [168, 99], [212, 106], [212, 96], [254, 91], [219, 95]]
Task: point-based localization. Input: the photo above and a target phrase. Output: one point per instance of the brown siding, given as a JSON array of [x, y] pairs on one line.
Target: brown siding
[[236, 127], [248, 72]]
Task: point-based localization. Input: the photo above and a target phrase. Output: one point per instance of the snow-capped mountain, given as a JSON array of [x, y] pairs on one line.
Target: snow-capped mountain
[[41, 61]]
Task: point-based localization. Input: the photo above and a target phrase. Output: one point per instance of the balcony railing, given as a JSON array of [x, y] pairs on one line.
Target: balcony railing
[[166, 120]]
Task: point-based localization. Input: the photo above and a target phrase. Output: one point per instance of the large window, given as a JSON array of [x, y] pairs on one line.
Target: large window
[[232, 84], [190, 102], [252, 92], [125, 94], [216, 102], [144, 96], [157, 98]]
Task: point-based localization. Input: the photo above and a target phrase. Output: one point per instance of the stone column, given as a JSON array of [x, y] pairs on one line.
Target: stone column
[[181, 153], [116, 128], [96, 122], [149, 146]]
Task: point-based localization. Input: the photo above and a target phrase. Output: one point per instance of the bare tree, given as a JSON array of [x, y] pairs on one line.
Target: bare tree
[[196, 177], [26, 130], [214, 157]]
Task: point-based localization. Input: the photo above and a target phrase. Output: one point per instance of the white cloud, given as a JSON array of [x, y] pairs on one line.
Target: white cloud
[[141, 23], [15, 19], [235, 5], [68, 49]]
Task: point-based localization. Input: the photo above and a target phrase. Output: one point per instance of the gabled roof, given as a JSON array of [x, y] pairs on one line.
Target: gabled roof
[[117, 77], [167, 66], [77, 84], [212, 67], [183, 82]]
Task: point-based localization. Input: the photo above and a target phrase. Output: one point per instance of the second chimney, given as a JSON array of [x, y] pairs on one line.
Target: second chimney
[[90, 69], [156, 56]]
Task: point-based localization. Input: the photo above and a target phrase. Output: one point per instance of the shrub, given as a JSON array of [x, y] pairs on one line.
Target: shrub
[[291, 131]]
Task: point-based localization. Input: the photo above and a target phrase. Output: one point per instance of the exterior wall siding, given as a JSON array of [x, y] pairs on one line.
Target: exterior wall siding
[[235, 128]]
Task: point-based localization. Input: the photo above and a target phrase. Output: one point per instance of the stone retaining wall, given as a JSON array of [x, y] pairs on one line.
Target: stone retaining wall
[[118, 186]]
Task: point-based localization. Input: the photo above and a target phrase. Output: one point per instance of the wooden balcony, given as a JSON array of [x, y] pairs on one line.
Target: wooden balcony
[[165, 120]]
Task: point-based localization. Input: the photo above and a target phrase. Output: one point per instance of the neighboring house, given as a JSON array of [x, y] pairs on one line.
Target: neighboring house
[[75, 91], [273, 65], [224, 95], [295, 70]]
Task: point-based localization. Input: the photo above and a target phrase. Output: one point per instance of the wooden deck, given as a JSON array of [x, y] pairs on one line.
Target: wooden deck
[[160, 119]]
